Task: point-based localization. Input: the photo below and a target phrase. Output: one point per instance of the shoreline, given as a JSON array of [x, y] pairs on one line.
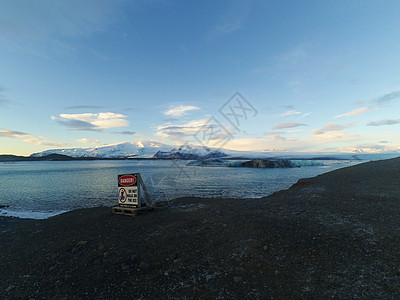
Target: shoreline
[[333, 235]]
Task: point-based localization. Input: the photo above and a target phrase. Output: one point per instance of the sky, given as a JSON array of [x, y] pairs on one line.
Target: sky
[[297, 76]]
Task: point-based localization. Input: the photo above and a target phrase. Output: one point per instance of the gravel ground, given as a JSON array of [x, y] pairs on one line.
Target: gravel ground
[[333, 236]]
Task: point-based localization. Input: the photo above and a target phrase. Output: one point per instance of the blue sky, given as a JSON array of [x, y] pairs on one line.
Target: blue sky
[[313, 75]]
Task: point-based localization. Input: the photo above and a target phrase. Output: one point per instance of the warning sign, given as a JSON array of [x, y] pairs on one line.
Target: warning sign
[[128, 192]]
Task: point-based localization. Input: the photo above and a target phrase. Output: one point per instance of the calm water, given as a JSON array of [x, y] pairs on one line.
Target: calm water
[[39, 189]]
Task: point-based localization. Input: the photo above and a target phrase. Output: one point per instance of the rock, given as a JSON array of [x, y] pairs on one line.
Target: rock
[[11, 287], [125, 268], [237, 279], [81, 243], [144, 265], [133, 257], [265, 248]]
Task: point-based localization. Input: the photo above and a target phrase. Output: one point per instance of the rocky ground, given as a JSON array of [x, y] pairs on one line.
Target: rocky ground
[[333, 236]]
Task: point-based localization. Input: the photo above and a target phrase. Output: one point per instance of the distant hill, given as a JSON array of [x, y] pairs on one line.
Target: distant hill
[[50, 157]]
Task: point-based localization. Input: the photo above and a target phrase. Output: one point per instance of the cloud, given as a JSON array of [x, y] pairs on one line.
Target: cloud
[[35, 140], [384, 122], [272, 143], [332, 127], [180, 111], [41, 141], [88, 141], [12, 134], [125, 132], [91, 121], [172, 130], [387, 98], [226, 28], [357, 111], [233, 19], [285, 132], [290, 112], [288, 125], [379, 102], [43, 19], [294, 56], [195, 128]]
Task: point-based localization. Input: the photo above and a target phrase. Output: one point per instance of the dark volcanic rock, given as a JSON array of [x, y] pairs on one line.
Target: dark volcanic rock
[[266, 163], [332, 236]]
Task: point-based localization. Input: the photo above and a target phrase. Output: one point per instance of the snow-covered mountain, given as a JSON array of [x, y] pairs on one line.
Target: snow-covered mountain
[[138, 149], [122, 150], [152, 149]]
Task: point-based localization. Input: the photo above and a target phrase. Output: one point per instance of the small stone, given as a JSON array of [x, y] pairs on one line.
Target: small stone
[[11, 287], [133, 257], [124, 267], [237, 279], [81, 243], [144, 265], [265, 248]]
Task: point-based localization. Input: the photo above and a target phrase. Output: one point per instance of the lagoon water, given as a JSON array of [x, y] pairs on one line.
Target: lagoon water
[[42, 189]]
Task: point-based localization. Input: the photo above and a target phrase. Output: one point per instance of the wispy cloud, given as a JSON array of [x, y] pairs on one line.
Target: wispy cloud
[[179, 132], [180, 110], [233, 19], [387, 99], [125, 132], [384, 122], [88, 141], [12, 134], [27, 138], [376, 103], [288, 125], [91, 121], [284, 132], [290, 112], [332, 127], [293, 55], [357, 111]]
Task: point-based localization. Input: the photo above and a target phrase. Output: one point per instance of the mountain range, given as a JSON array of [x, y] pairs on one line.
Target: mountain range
[[153, 149], [140, 149]]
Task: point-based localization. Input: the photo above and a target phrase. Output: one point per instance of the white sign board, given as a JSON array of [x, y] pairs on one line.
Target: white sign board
[[128, 190]]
